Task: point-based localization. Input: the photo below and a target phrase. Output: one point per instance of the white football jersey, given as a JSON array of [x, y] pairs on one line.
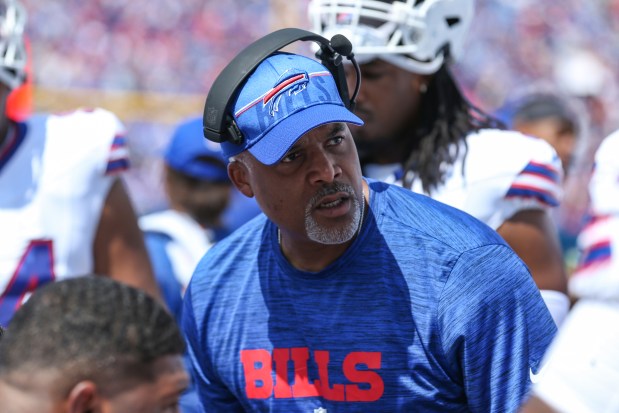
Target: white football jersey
[[604, 184], [597, 274], [580, 373], [55, 174], [188, 240], [504, 172]]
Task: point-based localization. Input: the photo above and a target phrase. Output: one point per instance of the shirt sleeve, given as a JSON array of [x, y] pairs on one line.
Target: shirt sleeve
[[529, 176], [212, 392], [495, 328]]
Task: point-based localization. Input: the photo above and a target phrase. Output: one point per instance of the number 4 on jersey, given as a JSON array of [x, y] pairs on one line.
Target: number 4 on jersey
[[35, 268]]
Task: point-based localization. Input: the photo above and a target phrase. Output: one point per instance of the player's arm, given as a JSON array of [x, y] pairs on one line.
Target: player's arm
[[119, 249], [528, 228], [535, 405], [533, 236]]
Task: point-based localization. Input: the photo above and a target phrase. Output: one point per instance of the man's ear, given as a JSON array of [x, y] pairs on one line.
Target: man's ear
[[83, 398], [239, 175]]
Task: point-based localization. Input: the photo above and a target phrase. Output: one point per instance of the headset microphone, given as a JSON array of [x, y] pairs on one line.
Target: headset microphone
[[343, 47]]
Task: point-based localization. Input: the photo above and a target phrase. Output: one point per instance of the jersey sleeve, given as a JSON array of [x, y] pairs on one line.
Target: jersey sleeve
[[494, 322], [212, 392], [118, 157], [113, 141], [85, 153], [597, 273], [604, 184], [537, 184]]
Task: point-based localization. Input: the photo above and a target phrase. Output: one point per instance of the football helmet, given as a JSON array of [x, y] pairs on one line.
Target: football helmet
[[416, 35], [12, 46]]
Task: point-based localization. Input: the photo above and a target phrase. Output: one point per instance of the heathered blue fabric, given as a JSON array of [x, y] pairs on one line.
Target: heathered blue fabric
[[450, 311]]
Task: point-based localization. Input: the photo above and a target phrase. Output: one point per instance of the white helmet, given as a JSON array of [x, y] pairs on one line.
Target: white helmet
[[12, 46], [412, 34]]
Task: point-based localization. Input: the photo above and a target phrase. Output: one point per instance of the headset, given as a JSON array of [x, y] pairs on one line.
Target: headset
[[219, 125]]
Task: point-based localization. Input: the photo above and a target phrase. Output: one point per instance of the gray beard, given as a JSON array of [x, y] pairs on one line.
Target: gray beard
[[331, 235]]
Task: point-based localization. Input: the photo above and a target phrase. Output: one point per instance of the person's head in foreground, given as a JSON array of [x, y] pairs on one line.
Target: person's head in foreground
[[91, 344], [298, 157]]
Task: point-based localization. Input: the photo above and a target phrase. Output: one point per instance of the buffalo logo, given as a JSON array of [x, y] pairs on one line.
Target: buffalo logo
[[290, 84]]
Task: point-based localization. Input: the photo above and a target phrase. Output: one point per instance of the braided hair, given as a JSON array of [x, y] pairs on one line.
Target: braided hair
[[89, 328], [446, 118]]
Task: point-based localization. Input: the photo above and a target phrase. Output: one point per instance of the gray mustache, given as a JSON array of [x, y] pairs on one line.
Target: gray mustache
[[329, 189]]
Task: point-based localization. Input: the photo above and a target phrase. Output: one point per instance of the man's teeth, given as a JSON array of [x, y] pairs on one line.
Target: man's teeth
[[331, 204]]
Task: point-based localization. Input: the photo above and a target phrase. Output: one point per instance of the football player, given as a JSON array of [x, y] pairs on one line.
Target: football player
[[63, 209], [421, 131]]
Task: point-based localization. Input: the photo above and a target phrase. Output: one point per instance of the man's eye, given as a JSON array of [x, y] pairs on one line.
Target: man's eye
[[289, 157], [336, 140]]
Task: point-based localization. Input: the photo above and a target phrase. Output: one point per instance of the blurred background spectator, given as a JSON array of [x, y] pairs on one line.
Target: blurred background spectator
[[559, 120], [152, 62]]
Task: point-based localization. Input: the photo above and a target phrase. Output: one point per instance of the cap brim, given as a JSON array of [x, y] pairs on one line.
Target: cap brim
[[205, 172], [277, 141]]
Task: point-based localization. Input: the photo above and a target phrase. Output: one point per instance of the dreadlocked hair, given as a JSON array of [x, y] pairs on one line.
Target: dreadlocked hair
[[446, 118]]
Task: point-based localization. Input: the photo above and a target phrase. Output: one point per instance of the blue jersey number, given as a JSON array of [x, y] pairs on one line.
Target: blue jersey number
[[35, 268]]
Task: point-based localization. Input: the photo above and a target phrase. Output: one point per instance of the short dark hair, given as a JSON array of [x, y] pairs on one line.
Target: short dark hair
[[89, 328], [539, 106]]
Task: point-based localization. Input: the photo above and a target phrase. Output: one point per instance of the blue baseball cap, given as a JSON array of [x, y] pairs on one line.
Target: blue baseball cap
[[287, 96], [188, 148]]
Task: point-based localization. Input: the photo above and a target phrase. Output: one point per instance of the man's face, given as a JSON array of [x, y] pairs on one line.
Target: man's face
[[203, 200], [315, 192], [46, 392], [559, 134], [388, 102]]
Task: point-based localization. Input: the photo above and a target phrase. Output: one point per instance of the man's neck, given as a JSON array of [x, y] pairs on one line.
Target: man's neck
[[312, 256]]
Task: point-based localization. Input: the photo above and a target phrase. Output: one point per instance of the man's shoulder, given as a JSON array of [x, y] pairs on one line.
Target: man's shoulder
[[89, 140], [405, 211], [492, 152], [81, 128]]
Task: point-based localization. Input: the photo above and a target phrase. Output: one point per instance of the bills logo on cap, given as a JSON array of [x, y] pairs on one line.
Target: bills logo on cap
[[289, 83]]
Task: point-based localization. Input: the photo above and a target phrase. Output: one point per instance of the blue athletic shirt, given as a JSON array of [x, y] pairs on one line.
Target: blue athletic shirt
[[427, 311]]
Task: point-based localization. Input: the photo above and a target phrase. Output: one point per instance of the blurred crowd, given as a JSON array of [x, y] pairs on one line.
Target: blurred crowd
[[162, 45], [179, 47]]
